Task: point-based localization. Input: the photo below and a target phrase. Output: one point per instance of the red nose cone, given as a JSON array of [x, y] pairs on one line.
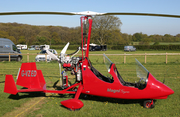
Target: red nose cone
[[159, 89], [169, 91]]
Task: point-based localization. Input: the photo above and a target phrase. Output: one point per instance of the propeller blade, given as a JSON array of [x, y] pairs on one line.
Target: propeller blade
[[53, 56], [88, 13], [65, 48]]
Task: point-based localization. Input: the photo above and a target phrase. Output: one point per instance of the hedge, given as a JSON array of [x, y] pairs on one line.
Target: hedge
[[148, 47], [121, 47]]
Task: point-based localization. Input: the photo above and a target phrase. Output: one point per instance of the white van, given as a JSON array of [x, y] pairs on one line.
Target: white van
[[6, 47]]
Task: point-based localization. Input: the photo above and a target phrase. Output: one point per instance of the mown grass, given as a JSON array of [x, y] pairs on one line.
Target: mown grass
[[93, 105]]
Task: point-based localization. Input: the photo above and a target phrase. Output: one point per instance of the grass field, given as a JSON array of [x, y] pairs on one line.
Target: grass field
[[160, 43], [37, 104], [117, 59]]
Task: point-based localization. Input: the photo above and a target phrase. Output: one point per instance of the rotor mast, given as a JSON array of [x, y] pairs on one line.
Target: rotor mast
[[84, 34]]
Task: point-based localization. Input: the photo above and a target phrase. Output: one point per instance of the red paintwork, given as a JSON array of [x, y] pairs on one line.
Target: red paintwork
[[73, 104], [10, 86], [66, 65], [82, 37], [30, 77], [89, 36], [33, 79], [96, 86]]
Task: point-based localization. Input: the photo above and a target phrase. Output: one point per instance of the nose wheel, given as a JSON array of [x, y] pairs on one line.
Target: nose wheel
[[148, 104]]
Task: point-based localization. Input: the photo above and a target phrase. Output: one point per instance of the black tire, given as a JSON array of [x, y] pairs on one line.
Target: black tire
[[18, 58], [148, 104]]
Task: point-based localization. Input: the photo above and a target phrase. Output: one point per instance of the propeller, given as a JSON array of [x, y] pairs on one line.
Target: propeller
[[53, 56], [88, 13], [65, 48], [62, 56]]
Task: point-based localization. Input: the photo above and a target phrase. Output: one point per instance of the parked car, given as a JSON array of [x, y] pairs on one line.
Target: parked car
[[31, 49], [129, 48], [95, 47], [6, 47], [41, 57], [36, 47]]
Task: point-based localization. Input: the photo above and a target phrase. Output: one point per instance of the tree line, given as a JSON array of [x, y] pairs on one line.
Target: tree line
[[105, 30]]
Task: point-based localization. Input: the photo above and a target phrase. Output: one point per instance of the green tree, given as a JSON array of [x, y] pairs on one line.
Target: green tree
[[28, 33], [44, 37], [156, 43], [126, 38], [56, 38], [137, 37], [40, 40], [104, 27], [3, 34], [168, 38], [145, 41], [22, 40]]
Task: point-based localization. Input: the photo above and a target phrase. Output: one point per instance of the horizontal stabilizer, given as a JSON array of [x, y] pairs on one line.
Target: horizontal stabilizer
[[10, 86]]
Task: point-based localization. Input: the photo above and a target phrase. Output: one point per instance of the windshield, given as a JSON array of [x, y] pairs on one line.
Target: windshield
[[43, 52], [141, 71], [15, 49], [107, 62]]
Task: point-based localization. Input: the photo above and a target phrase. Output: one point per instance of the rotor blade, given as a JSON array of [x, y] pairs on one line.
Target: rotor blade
[[65, 48], [90, 13], [53, 56], [144, 14], [34, 13]]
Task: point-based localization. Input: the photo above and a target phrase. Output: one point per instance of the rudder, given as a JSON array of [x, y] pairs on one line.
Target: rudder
[[10, 86]]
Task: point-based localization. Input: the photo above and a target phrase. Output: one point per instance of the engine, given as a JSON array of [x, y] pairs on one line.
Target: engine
[[73, 65]]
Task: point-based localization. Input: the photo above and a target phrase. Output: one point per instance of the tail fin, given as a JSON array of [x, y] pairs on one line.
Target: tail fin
[[10, 86], [30, 77]]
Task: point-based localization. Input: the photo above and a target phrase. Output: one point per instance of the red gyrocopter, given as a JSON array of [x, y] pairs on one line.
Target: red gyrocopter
[[88, 79]]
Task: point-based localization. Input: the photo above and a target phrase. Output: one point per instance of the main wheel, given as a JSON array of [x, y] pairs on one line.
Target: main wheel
[[148, 104]]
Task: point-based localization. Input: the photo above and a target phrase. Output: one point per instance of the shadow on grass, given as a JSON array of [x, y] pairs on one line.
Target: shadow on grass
[[112, 100], [2, 81], [27, 95]]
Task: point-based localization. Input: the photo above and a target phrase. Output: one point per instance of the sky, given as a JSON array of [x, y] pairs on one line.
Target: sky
[[130, 24]]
